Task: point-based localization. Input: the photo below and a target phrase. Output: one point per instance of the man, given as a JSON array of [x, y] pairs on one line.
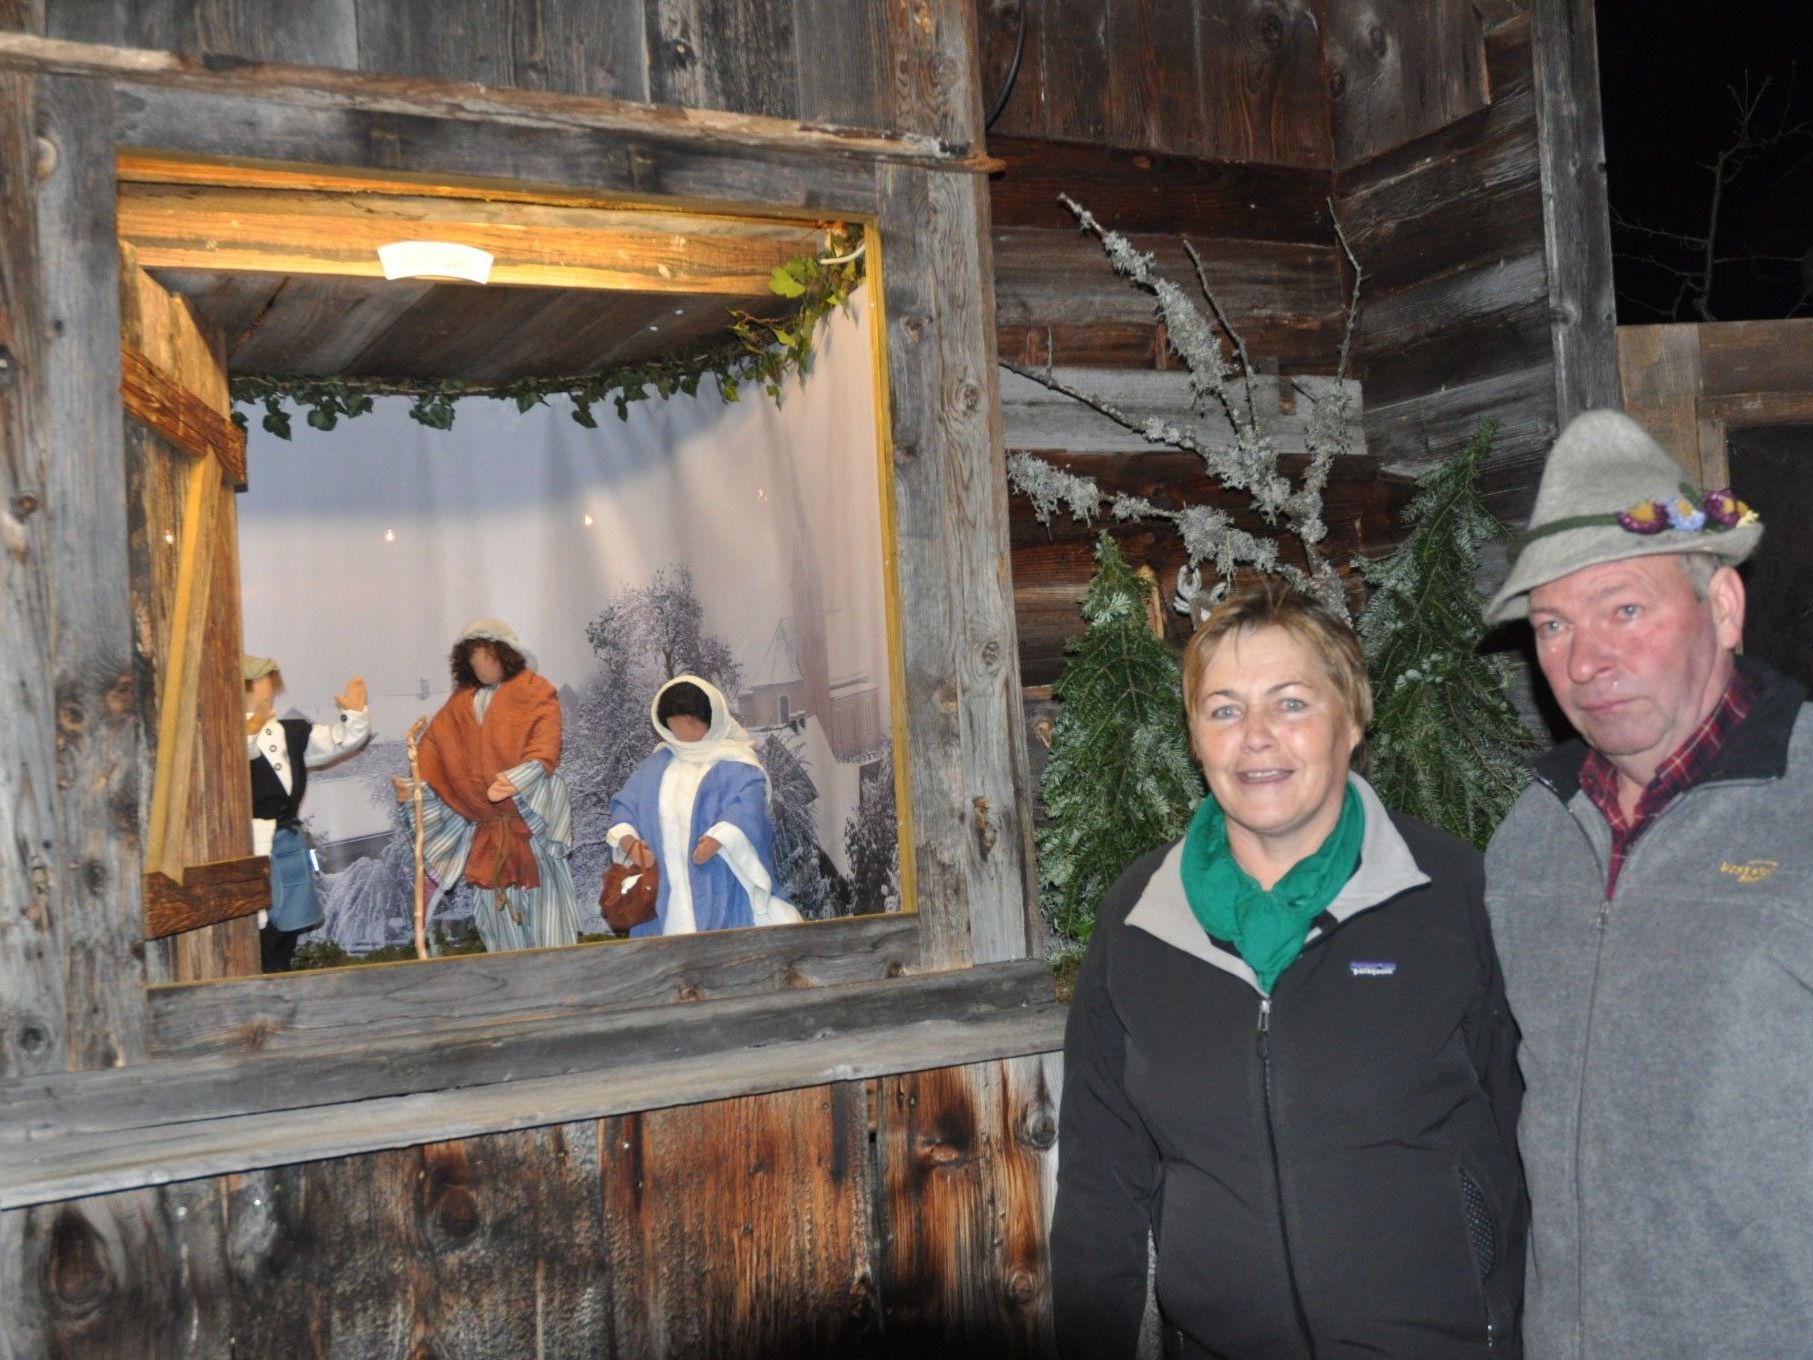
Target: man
[[1652, 898]]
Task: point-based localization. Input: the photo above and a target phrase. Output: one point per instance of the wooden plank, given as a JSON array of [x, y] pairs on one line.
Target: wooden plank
[[967, 1163], [766, 1198], [318, 32], [723, 54], [1035, 417], [997, 26], [1575, 211], [138, 1273], [458, 1052], [32, 882], [936, 87], [482, 1247], [208, 895], [284, 232], [587, 49], [86, 1164], [1659, 373], [405, 96], [1074, 59], [237, 128], [1153, 87], [74, 439], [1756, 356], [1141, 191], [180, 416], [844, 63], [459, 41], [1263, 93], [1399, 69], [24, 16], [1057, 299], [383, 1001]]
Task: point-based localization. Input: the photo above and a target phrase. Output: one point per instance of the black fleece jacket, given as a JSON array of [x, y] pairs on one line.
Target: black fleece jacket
[[1329, 1173]]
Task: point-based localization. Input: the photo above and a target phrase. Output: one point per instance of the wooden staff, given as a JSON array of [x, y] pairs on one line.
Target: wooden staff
[[421, 877]]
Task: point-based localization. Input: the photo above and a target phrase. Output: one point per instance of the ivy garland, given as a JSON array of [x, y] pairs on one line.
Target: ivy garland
[[761, 351]]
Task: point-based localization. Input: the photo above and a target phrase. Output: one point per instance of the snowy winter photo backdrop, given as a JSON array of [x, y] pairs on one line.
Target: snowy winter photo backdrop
[[740, 541]]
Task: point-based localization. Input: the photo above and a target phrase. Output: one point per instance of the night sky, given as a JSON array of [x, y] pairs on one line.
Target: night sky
[[1665, 75]]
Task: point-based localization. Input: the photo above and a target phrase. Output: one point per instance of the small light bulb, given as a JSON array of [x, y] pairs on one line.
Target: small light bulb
[[761, 493], [586, 520], [390, 535]]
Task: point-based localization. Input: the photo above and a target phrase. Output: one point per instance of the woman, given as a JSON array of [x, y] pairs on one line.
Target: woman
[[281, 753], [698, 807], [494, 807], [1289, 1057]]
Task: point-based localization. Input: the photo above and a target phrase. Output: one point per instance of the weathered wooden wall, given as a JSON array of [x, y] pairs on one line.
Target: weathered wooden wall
[[893, 1217]]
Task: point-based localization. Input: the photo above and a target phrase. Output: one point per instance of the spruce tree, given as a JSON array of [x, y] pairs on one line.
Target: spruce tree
[[1121, 780], [1447, 745]]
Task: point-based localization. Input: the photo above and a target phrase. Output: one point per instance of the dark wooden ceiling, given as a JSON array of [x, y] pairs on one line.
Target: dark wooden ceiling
[[291, 278], [313, 324]]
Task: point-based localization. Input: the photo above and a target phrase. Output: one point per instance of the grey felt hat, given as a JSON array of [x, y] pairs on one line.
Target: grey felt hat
[[1609, 492], [256, 667]]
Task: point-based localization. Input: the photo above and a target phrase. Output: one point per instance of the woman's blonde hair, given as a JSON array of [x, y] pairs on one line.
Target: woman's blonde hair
[[1272, 602]]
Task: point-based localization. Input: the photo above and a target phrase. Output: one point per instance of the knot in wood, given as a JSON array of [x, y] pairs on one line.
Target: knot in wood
[[1378, 42], [683, 52], [946, 696], [75, 1270], [33, 1038], [969, 398], [991, 653], [1021, 1287], [7, 367], [912, 329], [456, 1212], [25, 504], [690, 992], [1337, 85], [44, 158], [1040, 1131], [1272, 26], [986, 835]]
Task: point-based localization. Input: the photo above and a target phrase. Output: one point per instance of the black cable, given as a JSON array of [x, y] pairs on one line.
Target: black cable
[[1013, 70]]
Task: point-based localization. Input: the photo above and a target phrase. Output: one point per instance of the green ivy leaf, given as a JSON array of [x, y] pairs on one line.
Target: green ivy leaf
[[783, 281], [323, 418], [582, 412]]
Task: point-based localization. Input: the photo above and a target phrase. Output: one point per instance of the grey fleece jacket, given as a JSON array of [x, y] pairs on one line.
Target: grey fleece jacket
[[1667, 1128]]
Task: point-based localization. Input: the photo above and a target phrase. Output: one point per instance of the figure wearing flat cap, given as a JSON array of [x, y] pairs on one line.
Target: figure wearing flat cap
[[495, 810], [282, 751], [1652, 899]]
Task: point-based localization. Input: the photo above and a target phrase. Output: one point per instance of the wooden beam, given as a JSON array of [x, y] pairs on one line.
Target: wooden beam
[[71, 968], [323, 88], [161, 1122], [1151, 191], [1576, 210], [350, 1006], [322, 232], [1035, 417], [208, 894], [180, 416]]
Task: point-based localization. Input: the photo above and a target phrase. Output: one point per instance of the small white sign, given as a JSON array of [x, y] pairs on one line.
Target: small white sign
[[434, 260]]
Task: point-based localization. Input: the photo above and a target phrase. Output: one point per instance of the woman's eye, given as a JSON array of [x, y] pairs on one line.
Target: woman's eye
[[1223, 713], [1292, 705], [1629, 611]]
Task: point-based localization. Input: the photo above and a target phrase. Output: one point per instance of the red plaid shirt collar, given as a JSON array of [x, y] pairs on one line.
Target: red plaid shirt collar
[[1673, 777]]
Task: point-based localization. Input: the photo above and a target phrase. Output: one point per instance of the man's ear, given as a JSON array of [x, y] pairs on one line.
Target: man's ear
[[1725, 594]]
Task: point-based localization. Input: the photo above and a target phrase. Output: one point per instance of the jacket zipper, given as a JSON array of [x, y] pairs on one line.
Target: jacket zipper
[[1271, 1141]]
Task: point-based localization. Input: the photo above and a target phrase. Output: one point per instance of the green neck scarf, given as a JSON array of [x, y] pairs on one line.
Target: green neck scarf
[[1266, 928]]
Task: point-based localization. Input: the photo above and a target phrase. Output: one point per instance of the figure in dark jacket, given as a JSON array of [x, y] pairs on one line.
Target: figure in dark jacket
[[1289, 1059]]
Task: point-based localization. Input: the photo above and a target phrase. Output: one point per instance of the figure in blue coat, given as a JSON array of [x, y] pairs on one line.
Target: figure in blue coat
[[698, 808]]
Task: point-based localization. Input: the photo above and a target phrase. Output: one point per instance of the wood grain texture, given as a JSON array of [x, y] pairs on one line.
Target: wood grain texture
[[378, 1001], [582, 49], [1140, 191], [936, 89], [409, 96], [1058, 300], [96, 904], [723, 54], [966, 1156], [86, 1164], [1575, 207], [32, 882], [581, 160], [1398, 69], [180, 416], [208, 895], [741, 1227]]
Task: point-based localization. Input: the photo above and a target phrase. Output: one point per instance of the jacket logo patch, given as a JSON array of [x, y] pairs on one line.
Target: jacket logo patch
[[1372, 967], [1751, 870]]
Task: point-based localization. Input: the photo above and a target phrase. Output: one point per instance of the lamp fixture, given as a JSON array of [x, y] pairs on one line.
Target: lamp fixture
[[434, 260]]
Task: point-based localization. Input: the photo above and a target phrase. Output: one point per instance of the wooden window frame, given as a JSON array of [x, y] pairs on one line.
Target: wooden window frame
[[231, 1075]]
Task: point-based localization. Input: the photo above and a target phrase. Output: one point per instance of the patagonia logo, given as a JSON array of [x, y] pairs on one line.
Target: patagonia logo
[[1751, 870], [1372, 967]]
